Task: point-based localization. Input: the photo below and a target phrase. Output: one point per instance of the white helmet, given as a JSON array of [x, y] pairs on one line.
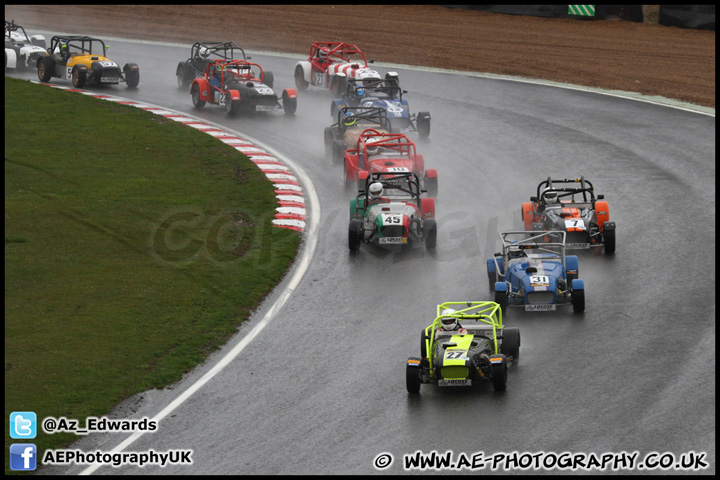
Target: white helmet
[[448, 322], [550, 195], [376, 190], [204, 52]]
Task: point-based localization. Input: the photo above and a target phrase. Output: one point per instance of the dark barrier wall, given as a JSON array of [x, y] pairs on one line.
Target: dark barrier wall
[[688, 16], [631, 13]]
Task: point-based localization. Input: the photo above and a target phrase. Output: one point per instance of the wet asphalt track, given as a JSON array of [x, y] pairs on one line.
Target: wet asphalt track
[[321, 390]]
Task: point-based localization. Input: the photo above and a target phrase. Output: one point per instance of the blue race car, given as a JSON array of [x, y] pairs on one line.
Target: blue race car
[[385, 94], [532, 271]]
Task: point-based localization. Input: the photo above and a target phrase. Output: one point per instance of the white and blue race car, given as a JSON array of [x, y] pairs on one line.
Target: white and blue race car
[[385, 94], [533, 272]]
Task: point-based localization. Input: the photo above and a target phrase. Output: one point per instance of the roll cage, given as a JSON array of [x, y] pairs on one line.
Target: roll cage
[[521, 242], [216, 51], [564, 188], [487, 317], [404, 185], [388, 89], [338, 52], [78, 45], [375, 116], [11, 27], [391, 143], [229, 70]]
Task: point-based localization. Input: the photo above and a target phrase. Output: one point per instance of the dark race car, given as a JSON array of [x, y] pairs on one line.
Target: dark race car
[[385, 94], [351, 122], [202, 54], [571, 205], [240, 86], [390, 213], [465, 345], [21, 51], [81, 59]]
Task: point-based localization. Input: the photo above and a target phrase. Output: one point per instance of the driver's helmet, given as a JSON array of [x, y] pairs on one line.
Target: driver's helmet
[[372, 149], [448, 322], [203, 52], [323, 53], [360, 92], [550, 196], [349, 120], [514, 251], [375, 190], [63, 49]]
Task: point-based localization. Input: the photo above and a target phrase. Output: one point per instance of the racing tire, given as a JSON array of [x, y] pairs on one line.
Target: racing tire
[[79, 77], [300, 81], [338, 86], [45, 68], [499, 376], [431, 185], [355, 234], [132, 76], [268, 79], [431, 235], [501, 299], [423, 124], [289, 104], [412, 379], [346, 183], [197, 101], [578, 301], [510, 346], [181, 79], [491, 281], [609, 240], [231, 106], [338, 152]]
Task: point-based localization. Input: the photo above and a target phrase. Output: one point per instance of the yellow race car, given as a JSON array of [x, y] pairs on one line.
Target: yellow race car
[[82, 60]]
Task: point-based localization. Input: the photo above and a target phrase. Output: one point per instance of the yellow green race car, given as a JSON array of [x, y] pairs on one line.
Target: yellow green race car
[[82, 59], [465, 344]]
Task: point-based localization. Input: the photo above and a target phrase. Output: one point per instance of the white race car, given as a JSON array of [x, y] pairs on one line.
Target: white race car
[[21, 51], [330, 64]]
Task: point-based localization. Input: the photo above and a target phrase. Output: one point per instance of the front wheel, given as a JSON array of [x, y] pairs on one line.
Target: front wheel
[[231, 106], [300, 81], [289, 104], [197, 101], [412, 377], [431, 235], [499, 376], [355, 234], [423, 125], [609, 238], [132, 76], [79, 77], [578, 301]]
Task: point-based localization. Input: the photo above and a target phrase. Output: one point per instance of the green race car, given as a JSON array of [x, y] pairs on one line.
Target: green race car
[[465, 344]]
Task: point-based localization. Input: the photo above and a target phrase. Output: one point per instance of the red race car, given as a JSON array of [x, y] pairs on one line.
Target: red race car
[[330, 64], [379, 151], [240, 85]]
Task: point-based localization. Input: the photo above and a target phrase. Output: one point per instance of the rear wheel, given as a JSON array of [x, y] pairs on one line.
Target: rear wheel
[[300, 81], [132, 77], [197, 101], [45, 68], [431, 185], [501, 299]]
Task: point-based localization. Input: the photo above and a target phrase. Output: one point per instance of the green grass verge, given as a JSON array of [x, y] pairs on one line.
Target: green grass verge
[[134, 246]]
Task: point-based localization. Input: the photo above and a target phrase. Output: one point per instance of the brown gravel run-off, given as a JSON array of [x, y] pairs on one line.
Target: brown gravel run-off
[[650, 59]]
